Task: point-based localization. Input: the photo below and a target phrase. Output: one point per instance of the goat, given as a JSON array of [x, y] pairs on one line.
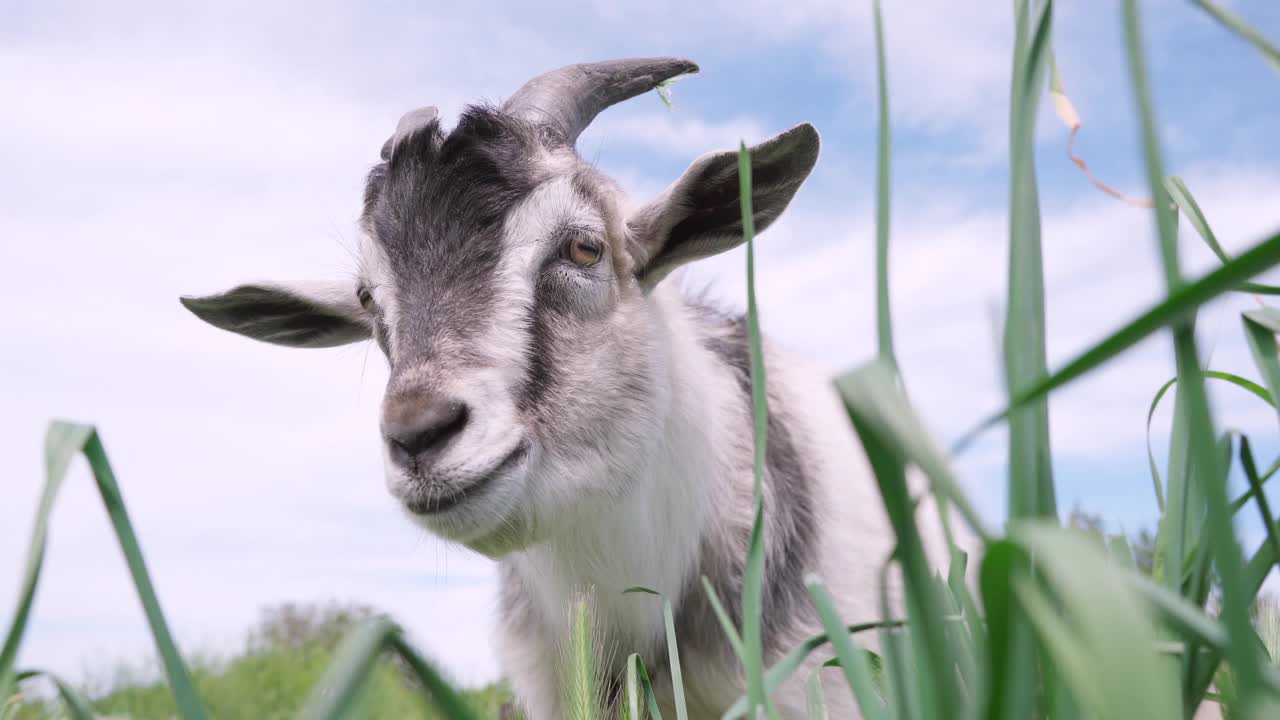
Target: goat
[[555, 405]]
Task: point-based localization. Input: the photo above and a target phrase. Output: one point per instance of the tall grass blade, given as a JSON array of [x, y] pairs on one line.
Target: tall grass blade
[[961, 644], [901, 672], [884, 320], [1008, 694], [355, 660], [1240, 382], [753, 576], [786, 667], [722, 615], [1031, 488], [77, 705], [1260, 329], [1197, 583], [1241, 28], [872, 396], [853, 660], [970, 640], [1069, 659], [673, 652], [1031, 491], [815, 703], [673, 659], [1179, 613], [956, 575], [1203, 450], [1107, 622], [1247, 495], [1186, 202], [62, 443], [937, 682], [1260, 565], [1184, 515], [1197, 630], [632, 711], [1176, 306], [636, 671], [1264, 506]]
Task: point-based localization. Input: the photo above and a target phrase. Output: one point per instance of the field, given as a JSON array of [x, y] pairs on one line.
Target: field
[[282, 658], [1067, 623]]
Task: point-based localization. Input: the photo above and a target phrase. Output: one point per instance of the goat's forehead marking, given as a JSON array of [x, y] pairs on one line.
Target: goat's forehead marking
[[460, 227]]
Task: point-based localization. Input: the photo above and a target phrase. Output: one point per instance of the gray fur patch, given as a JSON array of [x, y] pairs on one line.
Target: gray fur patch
[[790, 514], [436, 209]]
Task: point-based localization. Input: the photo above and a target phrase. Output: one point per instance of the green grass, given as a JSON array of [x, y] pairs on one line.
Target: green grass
[[271, 677], [1067, 624]]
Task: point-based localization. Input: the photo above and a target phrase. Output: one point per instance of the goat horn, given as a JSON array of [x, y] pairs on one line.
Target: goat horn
[[413, 121], [568, 99]]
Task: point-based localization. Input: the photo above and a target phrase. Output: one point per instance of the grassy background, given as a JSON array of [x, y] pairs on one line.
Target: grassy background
[[269, 678]]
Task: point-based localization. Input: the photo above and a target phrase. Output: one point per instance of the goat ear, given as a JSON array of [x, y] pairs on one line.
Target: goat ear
[[700, 214], [312, 315]]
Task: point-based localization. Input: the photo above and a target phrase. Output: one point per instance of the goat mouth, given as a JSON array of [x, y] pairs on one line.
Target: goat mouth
[[426, 503]]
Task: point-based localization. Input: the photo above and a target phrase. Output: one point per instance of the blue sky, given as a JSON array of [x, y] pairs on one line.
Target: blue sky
[[156, 149]]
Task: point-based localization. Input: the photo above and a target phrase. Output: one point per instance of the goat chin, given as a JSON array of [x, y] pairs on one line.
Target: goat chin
[[689, 515]]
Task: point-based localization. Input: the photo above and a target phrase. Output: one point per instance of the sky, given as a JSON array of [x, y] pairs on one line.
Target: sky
[[150, 150]]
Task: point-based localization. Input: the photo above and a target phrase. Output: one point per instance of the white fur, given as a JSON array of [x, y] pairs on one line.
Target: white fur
[[377, 272], [687, 491]]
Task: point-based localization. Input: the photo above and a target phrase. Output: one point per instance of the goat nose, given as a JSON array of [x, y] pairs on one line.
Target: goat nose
[[417, 426]]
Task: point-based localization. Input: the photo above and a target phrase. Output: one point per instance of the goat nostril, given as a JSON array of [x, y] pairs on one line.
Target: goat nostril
[[431, 429]]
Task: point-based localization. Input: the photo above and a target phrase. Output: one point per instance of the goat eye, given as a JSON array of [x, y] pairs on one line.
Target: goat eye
[[584, 250], [366, 298]]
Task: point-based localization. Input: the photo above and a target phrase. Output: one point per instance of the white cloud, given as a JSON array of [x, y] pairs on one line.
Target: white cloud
[[950, 61], [673, 132]]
